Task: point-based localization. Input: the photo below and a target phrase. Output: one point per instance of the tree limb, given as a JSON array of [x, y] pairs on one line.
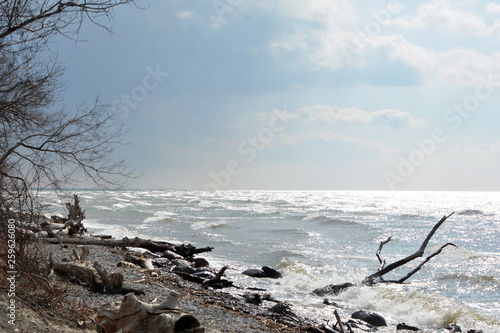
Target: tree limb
[[419, 253]]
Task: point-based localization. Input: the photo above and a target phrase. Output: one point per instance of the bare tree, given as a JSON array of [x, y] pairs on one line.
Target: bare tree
[[39, 147]]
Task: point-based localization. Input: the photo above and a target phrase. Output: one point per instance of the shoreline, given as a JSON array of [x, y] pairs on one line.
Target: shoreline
[[216, 310]]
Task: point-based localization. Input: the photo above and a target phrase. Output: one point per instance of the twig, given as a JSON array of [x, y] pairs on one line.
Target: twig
[[339, 321]]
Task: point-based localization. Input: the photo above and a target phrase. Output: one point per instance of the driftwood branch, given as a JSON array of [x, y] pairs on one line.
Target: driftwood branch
[[339, 320], [379, 257], [416, 269], [419, 253]]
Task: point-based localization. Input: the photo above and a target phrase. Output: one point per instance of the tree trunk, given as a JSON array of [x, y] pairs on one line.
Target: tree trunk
[[135, 316]]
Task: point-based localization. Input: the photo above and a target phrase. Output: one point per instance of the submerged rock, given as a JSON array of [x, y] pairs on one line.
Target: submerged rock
[[371, 318], [332, 289]]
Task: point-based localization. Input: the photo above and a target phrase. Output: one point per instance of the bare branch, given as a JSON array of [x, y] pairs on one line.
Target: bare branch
[[419, 253]]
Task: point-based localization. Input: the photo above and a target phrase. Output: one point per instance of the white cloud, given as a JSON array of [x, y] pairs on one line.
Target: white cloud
[[443, 15], [336, 114], [186, 14], [329, 136], [492, 8], [339, 42]]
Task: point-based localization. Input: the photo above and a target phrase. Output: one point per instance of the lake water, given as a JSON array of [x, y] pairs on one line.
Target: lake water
[[316, 238]]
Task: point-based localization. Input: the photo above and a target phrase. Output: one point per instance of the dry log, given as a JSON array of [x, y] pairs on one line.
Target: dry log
[[134, 316], [187, 251], [419, 253], [81, 273]]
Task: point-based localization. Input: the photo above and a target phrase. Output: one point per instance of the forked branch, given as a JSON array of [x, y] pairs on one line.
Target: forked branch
[[419, 253]]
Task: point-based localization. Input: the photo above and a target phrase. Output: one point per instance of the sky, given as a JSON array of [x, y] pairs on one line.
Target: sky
[[288, 94]]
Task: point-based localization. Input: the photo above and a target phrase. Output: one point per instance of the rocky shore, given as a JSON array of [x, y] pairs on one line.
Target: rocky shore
[[216, 310], [87, 274]]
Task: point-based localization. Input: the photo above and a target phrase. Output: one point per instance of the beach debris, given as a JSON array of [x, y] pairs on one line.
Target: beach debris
[[135, 316], [264, 272], [217, 282], [187, 251], [371, 318], [95, 277]]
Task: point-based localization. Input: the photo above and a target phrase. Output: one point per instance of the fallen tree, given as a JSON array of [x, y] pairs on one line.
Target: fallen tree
[[419, 253], [377, 277], [187, 251]]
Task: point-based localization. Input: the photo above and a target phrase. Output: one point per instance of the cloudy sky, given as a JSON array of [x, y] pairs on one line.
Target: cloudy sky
[[289, 94]]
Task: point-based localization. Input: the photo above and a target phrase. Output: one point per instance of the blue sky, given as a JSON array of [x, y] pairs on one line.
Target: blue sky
[[323, 94]]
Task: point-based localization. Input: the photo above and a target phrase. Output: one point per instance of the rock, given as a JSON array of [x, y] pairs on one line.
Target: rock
[[254, 272], [453, 328], [253, 298], [265, 272], [183, 269], [332, 289], [181, 262], [474, 331], [271, 272], [200, 262], [162, 262], [171, 255], [371, 318], [403, 326]]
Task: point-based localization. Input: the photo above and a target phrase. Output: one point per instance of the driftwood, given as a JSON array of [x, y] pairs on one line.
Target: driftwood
[[187, 251], [96, 278], [419, 253], [383, 269], [217, 282], [134, 316], [75, 212]]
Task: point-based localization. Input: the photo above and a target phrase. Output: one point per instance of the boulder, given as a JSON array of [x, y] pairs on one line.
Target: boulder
[[371, 318], [265, 272]]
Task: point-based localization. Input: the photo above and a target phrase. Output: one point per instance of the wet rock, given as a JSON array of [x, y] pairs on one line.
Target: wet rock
[[453, 328], [265, 272], [474, 331], [371, 318], [200, 262], [271, 272], [254, 272], [205, 274], [253, 298], [183, 269], [403, 326], [181, 262], [162, 262], [332, 289]]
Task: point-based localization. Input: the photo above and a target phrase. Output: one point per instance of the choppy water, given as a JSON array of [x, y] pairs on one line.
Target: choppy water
[[316, 238]]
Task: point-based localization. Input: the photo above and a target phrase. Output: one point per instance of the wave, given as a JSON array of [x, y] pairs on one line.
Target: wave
[[208, 225], [332, 221], [161, 216]]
